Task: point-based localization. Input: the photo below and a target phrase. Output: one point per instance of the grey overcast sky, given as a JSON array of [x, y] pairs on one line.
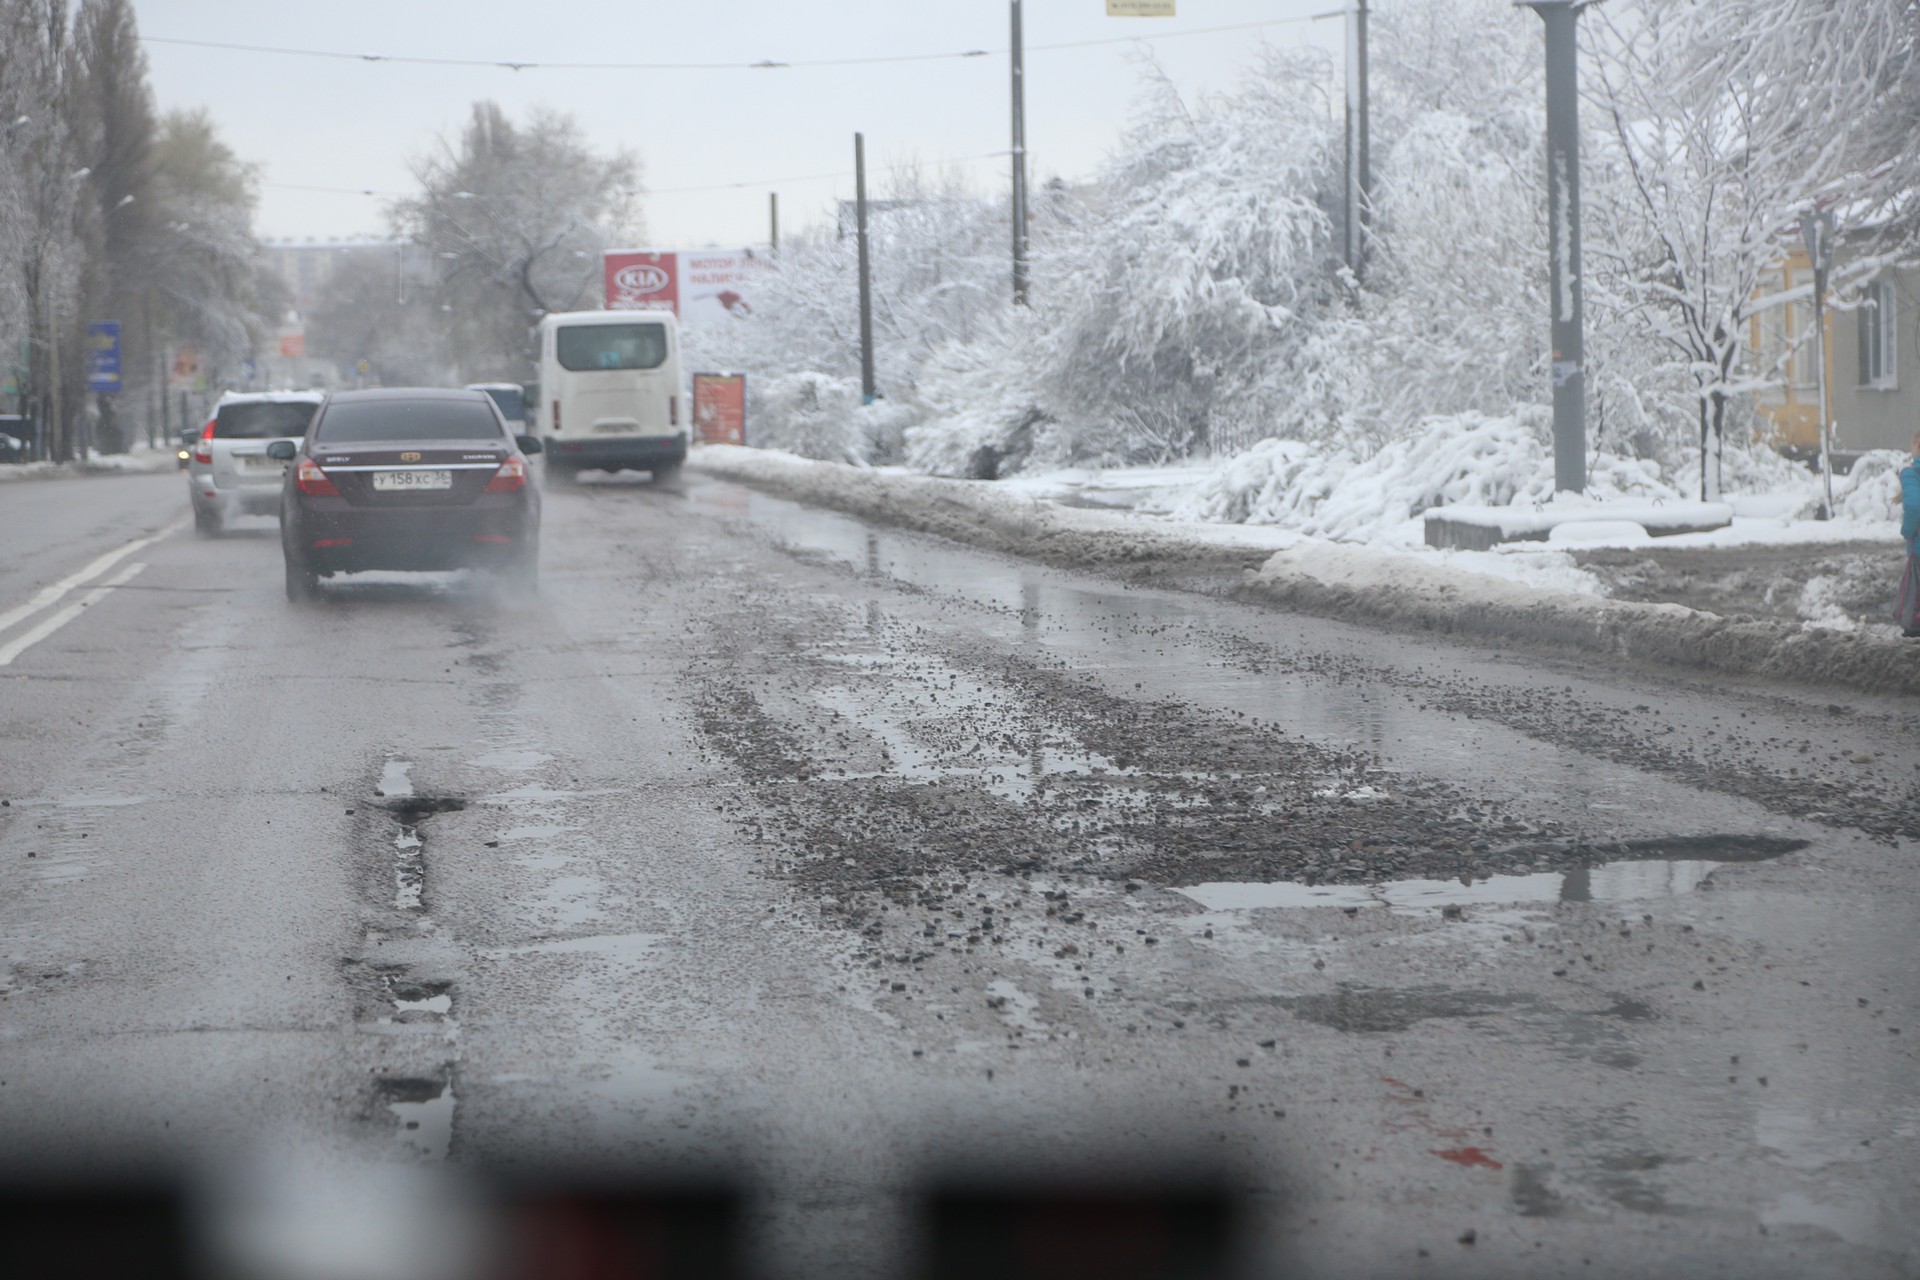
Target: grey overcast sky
[[311, 122]]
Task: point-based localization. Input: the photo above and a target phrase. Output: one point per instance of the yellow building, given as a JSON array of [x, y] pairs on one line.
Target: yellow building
[[1871, 348]]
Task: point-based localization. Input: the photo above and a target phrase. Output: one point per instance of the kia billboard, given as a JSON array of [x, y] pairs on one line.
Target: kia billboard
[[701, 286]]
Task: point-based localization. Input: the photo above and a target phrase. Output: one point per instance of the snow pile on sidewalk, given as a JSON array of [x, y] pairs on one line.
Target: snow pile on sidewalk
[[139, 462], [1428, 590], [1868, 494], [1466, 460]]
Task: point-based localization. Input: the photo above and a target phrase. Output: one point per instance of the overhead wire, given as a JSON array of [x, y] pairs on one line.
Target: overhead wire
[[765, 64], [673, 191]]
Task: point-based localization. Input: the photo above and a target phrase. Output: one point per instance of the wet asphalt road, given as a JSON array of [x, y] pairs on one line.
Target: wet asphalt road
[[768, 839]]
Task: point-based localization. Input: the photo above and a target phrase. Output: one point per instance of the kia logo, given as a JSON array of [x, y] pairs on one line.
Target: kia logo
[[409, 456], [641, 277]]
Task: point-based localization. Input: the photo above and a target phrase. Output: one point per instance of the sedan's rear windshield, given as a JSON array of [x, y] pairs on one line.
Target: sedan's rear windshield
[[263, 419], [374, 421], [585, 347]]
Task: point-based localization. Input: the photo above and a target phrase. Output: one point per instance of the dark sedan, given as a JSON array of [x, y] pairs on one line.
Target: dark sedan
[[411, 479]]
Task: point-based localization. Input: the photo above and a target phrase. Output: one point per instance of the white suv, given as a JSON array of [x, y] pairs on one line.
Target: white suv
[[229, 472]]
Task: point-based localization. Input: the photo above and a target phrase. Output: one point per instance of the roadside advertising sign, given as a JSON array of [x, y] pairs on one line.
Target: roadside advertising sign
[[103, 356], [717, 285], [720, 407], [640, 280], [185, 372], [1139, 8], [700, 286], [293, 343]]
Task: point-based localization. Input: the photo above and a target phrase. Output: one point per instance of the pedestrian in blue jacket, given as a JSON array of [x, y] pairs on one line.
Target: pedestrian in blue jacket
[[1907, 611]]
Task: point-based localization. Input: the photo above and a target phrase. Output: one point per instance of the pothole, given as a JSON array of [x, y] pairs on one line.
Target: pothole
[[409, 862], [422, 1107], [414, 809], [416, 998], [1655, 868]]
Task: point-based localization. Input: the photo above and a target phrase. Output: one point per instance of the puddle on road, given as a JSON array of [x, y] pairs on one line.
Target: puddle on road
[[409, 871], [1626, 880], [627, 948], [510, 760], [394, 780], [1214, 654], [423, 1109]]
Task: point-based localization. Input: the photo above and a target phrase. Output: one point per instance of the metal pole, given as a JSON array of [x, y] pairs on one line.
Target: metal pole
[[1817, 230], [1019, 209], [1359, 166], [1563, 241], [1820, 386], [867, 389], [773, 221]]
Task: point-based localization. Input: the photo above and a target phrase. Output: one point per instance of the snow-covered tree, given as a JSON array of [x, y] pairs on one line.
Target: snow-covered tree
[[205, 254], [941, 279], [1732, 119], [1200, 272], [516, 218]]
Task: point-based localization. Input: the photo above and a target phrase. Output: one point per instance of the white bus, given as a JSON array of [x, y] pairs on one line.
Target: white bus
[[610, 394]]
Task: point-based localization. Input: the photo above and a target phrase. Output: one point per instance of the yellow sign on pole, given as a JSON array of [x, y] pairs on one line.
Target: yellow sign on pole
[[1139, 8]]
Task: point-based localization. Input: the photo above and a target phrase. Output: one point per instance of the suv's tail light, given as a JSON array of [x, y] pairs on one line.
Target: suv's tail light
[[312, 481], [510, 478], [203, 451]]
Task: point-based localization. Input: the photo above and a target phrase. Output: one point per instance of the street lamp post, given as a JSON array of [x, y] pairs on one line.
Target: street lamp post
[[1019, 201], [1563, 243]]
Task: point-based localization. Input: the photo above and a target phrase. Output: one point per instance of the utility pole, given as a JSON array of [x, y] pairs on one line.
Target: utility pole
[[1817, 230], [773, 223], [1359, 163], [1019, 162], [1563, 243], [868, 391]]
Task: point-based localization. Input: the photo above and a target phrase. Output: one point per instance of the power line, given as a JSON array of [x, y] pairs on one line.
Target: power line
[[745, 184], [765, 64]]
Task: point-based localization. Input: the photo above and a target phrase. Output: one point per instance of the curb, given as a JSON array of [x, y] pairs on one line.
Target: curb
[[1337, 581]]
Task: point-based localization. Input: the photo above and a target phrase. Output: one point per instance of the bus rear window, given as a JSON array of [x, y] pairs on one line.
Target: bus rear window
[[584, 348]]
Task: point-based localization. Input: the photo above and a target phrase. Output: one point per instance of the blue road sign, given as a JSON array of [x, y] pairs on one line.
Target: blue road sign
[[103, 355]]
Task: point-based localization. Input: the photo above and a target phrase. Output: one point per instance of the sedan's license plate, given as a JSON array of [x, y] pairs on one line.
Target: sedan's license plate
[[408, 481]]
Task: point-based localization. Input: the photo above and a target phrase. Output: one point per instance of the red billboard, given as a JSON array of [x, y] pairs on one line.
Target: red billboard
[[720, 407], [642, 281], [700, 286]]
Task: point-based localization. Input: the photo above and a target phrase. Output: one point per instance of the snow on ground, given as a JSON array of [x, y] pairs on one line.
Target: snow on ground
[[1498, 467], [1532, 590], [138, 462], [1293, 497]]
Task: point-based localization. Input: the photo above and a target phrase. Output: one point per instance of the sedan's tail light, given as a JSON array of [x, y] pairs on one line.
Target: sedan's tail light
[[203, 451], [312, 481], [510, 478]]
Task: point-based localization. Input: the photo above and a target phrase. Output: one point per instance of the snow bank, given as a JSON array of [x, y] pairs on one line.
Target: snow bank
[[1457, 460], [140, 462], [1422, 591]]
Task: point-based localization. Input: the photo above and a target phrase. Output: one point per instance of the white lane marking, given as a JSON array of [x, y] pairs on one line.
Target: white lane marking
[[54, 591], [48, 625]]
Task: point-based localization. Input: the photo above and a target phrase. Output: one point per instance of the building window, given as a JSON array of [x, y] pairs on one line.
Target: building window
[[1876, 319]]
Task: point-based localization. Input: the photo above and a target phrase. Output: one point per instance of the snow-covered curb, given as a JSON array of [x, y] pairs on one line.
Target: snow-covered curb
[[1329, 578], [145, 462]]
